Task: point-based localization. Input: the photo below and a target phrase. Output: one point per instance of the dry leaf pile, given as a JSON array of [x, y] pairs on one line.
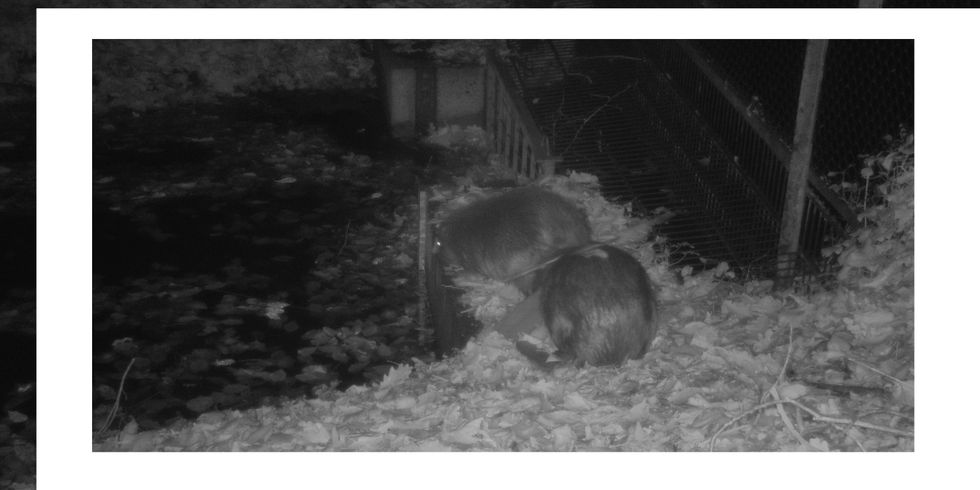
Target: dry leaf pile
[[734, 367]]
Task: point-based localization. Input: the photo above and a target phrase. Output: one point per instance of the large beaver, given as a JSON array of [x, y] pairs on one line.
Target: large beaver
[[598, 305], [505, 236]]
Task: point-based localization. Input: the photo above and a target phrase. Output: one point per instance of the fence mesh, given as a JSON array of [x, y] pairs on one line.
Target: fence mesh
[[704, 130], [867, 93]]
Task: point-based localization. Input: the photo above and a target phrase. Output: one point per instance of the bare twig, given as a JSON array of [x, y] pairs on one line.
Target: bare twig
[[609, 100], [873, 369], [711, 445], [115, 406], [782, 372], [823, 418], [346, 235], [787, 422], [775, 395], [778, 402], [816, 417], [586, 248], [856, 441]]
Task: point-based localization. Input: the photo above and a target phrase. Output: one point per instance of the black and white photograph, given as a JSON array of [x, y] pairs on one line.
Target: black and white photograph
[[403, 227], [534, 245]]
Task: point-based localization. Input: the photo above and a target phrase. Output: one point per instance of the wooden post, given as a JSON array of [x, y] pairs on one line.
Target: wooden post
[[423, 258], [425, 97], [799, 167], [772, 139]]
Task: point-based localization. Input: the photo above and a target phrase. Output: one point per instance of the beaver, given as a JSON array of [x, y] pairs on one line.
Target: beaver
[[506, 236], [598, 305]]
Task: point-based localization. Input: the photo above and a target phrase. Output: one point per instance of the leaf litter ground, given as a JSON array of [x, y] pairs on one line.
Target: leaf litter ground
[[240, 263], [735, 367]]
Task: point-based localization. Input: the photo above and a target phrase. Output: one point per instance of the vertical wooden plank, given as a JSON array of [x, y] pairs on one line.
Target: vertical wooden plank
[[507, 137], [799, 164], [487, 95], [491, 106], [498, 119], [519, 146], [425, 98], [513, 139], [425, 253]]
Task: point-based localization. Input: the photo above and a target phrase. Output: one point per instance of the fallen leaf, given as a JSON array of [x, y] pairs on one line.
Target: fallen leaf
[[792, 391], [904, 392], [469, 434]]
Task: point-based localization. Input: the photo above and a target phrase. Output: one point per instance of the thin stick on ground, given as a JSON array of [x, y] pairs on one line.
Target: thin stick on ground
[[774, 392], [817, 416], [346, 236], [787, 422], [422, 259], [782, 372], [115, 406]]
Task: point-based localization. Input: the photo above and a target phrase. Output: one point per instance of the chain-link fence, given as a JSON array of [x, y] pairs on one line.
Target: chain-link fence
[[867, 91], [702, 131]]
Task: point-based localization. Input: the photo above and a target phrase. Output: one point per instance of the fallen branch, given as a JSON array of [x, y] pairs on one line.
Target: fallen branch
[[115, 406], [786, 421], [346, 236], [823, 418], [817, 416]]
